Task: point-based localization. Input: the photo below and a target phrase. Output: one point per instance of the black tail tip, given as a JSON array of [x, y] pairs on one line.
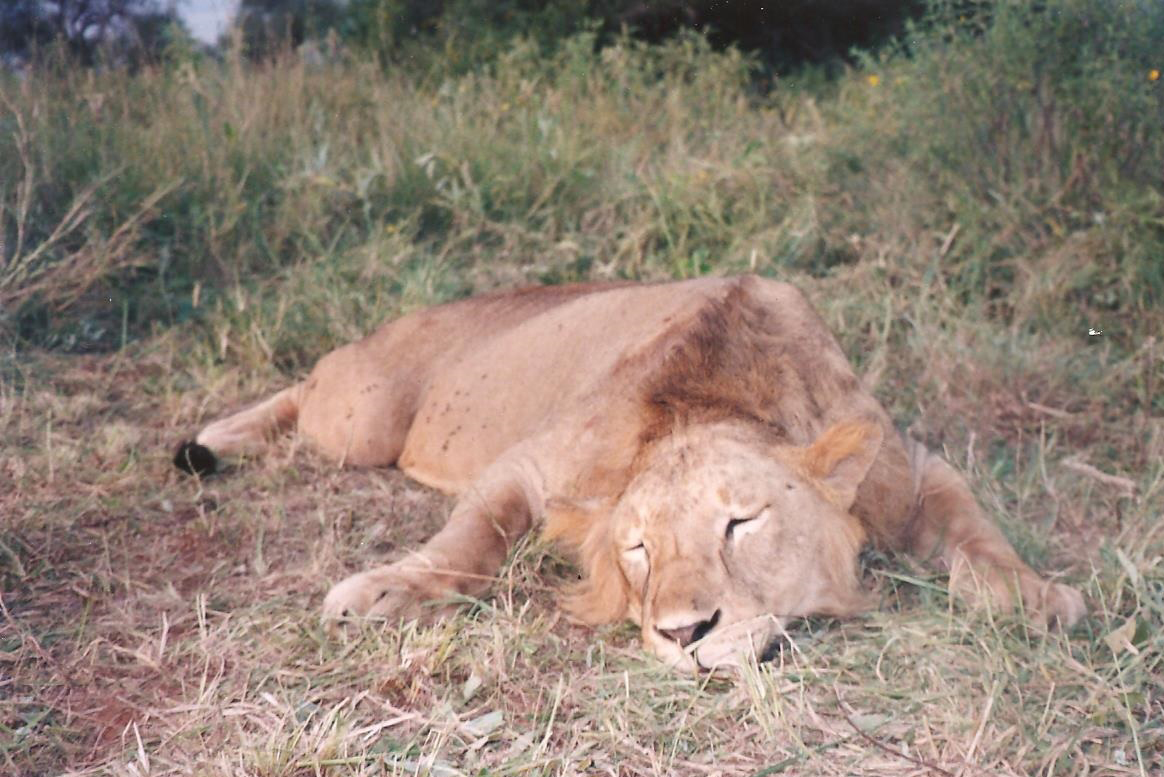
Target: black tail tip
[[195, 459]]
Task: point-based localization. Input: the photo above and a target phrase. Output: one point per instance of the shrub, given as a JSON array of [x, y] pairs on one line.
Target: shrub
[[1034, 130], [974, 156]]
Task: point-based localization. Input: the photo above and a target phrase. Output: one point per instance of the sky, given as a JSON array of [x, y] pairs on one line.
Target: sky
[[206, 18]]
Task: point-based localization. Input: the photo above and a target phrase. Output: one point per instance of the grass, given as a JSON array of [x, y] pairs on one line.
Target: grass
[[143, 605], [208, 231]]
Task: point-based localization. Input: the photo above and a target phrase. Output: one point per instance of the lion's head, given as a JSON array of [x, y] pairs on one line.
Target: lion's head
[[724, 534]]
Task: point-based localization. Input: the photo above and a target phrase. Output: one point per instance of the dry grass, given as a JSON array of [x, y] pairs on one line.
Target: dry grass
[[157, 625]]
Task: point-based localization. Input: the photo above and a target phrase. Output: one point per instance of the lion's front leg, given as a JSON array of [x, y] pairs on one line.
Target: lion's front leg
[[460, 561], [405, 590], [983, 566]]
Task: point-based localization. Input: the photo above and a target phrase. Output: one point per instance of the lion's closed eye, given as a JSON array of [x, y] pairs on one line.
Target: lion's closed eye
[[737, 526]]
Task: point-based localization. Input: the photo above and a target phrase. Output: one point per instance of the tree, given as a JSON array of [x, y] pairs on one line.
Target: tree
[[785, 32], [781, 32], [124, 31], [268, 26]]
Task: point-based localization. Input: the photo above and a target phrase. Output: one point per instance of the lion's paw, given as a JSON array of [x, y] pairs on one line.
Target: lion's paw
[[1063, 605], [1054, 604], [390, 593]]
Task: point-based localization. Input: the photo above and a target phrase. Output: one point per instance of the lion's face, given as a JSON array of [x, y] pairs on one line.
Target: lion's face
[[723, 536]]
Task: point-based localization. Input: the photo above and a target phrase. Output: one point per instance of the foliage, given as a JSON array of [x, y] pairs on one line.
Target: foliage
[[454, 36], [268, 27], [1062, 143], [122, 198], [117, 31]]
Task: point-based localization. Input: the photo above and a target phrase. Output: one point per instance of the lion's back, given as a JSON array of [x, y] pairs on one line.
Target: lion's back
[[521, 363], [517, 363]]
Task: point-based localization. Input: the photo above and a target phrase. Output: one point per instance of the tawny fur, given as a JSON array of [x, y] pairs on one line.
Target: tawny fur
[[642, 414]]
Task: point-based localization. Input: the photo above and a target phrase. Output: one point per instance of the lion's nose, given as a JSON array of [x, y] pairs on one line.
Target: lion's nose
[[694, 632]]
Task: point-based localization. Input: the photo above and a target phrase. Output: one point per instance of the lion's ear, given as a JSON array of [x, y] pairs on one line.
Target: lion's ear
[[601, 596], [841, 457]]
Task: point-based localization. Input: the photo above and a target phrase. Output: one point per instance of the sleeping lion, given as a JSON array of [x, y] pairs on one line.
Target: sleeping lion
[[703, 447]]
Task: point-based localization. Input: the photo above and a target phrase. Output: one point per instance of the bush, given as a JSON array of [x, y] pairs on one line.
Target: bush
[[455, 36], [975, 155], [1035, 131]]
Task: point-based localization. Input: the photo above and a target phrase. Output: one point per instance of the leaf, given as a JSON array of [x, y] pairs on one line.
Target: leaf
[[869, 722], [1120, 639], [470, 687], [484, 725], [1128, 566]]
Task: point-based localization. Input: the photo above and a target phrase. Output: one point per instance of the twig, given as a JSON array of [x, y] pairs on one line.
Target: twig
[[949, 240], [982, 722], [881, 745], [1054, 412], [1124, 484]]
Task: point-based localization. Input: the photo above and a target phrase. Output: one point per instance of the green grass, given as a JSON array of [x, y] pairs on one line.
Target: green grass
[[961, 220]]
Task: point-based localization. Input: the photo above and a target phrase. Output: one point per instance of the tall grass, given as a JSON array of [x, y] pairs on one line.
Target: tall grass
[[1029, 139]]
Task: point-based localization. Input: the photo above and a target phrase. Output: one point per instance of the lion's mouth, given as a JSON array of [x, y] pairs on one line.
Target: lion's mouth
[[774, 648], [760, 639]]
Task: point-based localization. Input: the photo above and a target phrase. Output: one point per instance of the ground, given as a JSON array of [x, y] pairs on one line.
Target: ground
[[156, 624]]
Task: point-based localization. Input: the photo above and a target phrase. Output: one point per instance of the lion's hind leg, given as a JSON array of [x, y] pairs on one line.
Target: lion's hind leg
[[982, 564], [351, 408], [246, 431]]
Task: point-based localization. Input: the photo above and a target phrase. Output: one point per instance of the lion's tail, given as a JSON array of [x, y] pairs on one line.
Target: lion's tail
[[247, 431]]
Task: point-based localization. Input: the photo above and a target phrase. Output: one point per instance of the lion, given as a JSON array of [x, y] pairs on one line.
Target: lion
[[703, 447]]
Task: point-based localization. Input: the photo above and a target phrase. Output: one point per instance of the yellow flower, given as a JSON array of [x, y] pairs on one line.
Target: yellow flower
[[873, 79], [1153, 75]]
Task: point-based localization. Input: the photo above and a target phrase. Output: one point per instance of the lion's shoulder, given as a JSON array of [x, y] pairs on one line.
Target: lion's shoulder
[[759, 353]]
